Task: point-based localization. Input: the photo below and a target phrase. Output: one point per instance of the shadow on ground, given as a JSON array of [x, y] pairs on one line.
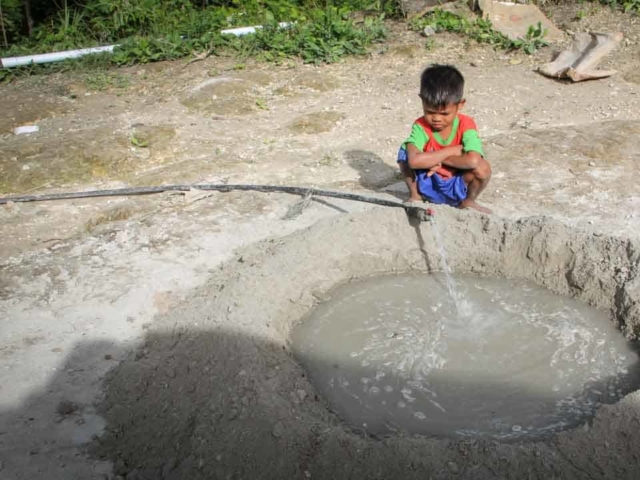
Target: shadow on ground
[[215, 404], [374, 172]]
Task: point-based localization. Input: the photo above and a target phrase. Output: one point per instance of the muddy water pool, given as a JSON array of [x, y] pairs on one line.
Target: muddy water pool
[[510, 361]]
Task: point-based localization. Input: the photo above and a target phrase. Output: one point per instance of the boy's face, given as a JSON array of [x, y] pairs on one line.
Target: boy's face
[[441, 118]]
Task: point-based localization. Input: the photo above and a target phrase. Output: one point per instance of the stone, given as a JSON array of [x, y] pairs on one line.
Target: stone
[[452, 466], [169, 467], [428, 31], [513, 20], [134, 475], [66, 407], [120, 468], [278, 430], [417, 8]]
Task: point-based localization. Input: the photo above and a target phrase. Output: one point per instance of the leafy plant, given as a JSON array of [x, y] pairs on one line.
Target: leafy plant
[[325, 37], [482, 31], [533, 40], [136, 142], [146, 50], [626, 6]]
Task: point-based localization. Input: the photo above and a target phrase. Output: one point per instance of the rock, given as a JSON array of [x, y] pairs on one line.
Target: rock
[[592, 164], [169, 467], [66, 407], [428, 31], [513, 20], [10, 206], [301, 394], [134, 475], [417, 8], [278, 430], [120, 468], [452, 466]]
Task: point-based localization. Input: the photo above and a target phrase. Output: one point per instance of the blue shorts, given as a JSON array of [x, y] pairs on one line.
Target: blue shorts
[[435, 189]]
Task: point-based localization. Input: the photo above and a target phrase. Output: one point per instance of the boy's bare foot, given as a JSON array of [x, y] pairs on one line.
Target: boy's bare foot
[[413, 199], [473, 204]]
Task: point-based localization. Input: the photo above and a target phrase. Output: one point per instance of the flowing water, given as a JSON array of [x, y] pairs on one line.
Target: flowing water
[[394, 354], [459, 302]]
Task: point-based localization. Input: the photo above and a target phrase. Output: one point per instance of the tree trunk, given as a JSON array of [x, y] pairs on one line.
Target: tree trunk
[[27, 15], [4, 32]]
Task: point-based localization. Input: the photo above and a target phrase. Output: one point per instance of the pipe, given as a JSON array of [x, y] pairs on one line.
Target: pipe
[[240, 31], [12, 62], [420, 212]]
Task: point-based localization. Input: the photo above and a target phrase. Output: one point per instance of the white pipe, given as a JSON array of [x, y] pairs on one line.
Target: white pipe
[[11, 62], [238, 32]]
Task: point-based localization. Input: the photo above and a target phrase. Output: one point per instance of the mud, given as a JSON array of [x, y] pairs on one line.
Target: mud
[[86, 155], [314, 80], [226, 95], [216, 388], [493, 358], [317, 122], [31, 109]]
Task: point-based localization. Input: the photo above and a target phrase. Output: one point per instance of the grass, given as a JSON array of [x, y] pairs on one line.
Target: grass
[[147, 33], [100, 81]]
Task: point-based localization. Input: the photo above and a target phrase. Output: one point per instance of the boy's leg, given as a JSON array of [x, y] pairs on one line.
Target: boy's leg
[[409, 177], [476, 181]]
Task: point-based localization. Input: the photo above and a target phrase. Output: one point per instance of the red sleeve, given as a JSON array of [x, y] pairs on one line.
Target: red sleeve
[[466, 123]]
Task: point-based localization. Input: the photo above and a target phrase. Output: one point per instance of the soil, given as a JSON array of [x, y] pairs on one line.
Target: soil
[[146, 337]]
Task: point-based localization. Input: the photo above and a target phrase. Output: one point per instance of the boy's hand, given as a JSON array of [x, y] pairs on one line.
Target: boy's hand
[[453, 151], [457, 150], [433, 169]]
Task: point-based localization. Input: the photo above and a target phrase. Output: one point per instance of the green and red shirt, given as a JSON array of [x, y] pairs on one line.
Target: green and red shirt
[[463, 132]]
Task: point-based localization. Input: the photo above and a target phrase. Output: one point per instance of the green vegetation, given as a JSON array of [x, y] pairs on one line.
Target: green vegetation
[[153, 30], [482, 31], [100, 81], [626, 6]]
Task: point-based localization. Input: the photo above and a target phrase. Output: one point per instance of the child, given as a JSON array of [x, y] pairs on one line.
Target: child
[[442, 160]]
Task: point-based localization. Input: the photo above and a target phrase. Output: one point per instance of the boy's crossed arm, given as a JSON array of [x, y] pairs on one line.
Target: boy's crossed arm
[[453, 157], [430, 160]]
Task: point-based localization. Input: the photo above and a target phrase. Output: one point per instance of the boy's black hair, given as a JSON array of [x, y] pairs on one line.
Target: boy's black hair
[[441, 85]]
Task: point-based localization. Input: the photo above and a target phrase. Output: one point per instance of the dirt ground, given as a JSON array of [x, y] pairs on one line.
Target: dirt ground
[[117, 359]]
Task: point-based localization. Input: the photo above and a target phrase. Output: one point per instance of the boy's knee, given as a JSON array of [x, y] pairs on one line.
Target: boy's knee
[[482, 171]]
